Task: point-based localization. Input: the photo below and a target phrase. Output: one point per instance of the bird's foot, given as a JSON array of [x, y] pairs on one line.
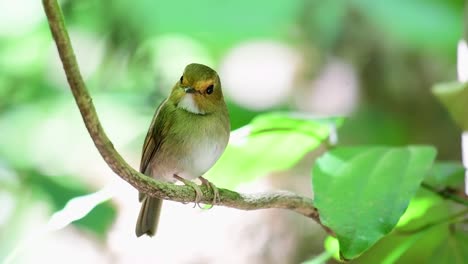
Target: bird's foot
[[198, 192], [216, 198]]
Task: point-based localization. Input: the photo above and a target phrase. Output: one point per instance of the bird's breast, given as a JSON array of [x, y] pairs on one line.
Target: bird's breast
[[204, 155], [191, 150]]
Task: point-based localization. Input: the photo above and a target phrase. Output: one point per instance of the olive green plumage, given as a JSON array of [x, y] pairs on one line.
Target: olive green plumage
[[187, 135]]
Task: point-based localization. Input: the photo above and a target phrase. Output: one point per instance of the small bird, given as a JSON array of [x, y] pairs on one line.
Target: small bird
[[187, 135]]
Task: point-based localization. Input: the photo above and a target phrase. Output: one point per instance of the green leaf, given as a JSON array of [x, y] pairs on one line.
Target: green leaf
[[401, 248], [361, 192], [446, 174], [59, 190], [453, 250], [416, 209], [454, 96], [332, 246], [272, 142]]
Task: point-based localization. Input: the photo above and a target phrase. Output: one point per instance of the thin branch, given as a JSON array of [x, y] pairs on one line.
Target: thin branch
[[449, 219], [447, 194], [143, 183]]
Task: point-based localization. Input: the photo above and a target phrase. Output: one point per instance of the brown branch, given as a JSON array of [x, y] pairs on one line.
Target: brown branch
[[447, 193], [143, 183]]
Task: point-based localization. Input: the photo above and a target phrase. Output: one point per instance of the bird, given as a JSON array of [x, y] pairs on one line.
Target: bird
[[188, 134]]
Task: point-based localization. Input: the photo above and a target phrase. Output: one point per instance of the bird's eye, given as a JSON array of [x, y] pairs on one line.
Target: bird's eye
[[209, 90], [181, 79]]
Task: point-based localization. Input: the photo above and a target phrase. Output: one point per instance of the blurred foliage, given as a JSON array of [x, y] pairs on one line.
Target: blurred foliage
[[454, 96], [446, 174], [452, 249], [59, 190], [126, 51], [260, 147]]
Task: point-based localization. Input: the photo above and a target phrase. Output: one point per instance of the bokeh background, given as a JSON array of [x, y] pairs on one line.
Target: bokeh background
[[372, 61]]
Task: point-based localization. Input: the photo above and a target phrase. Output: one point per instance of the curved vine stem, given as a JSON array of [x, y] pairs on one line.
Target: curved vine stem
[[143, 183]]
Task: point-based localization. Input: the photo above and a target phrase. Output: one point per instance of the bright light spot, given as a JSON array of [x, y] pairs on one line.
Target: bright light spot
[[334, 92], [7, 175], [465, 157], [462, 61], [417, 208], [466, 181], [259, 75], [170, 54], [239, 136], [6, 207], [332, 245], [78, 208], [333, 137], [37, 243], [89, 50], [19, 16], [7, 201]]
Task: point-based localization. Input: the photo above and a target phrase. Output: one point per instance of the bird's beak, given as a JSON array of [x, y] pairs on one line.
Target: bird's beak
[[189, 90]]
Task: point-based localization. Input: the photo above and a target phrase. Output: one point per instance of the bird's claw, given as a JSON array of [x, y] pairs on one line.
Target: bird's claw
[[216, 198], [198, 192]]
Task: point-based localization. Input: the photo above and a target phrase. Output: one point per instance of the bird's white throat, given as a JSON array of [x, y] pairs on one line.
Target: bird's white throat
[[188, 103]]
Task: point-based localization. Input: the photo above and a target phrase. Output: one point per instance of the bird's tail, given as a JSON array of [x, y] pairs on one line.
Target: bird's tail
[[148, 218]]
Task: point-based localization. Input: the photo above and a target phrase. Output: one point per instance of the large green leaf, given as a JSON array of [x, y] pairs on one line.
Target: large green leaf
[[272, 142], [454, 96], [453, 250], [400, 248], [361, 192]]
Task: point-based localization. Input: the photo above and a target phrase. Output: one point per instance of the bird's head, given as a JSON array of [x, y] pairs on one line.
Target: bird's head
[[198, 90]]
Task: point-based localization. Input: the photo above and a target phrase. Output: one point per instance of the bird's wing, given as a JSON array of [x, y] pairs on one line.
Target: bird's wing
[[154, 137]]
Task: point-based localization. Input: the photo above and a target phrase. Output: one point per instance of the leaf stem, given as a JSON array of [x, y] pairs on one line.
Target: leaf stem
[[449, 219], [447, 194]]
